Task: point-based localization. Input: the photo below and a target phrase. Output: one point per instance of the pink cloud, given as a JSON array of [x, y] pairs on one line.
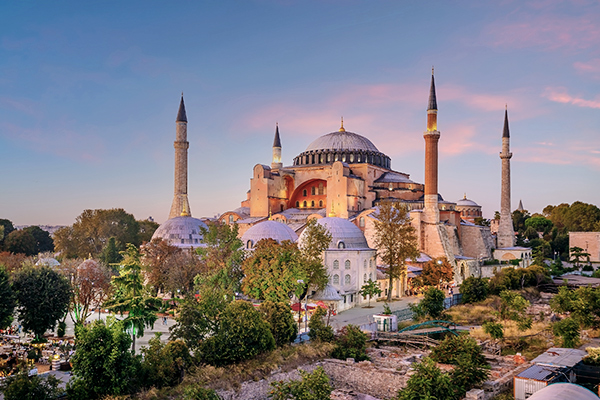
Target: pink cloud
[[568, 153], [591, 67], [560, 95], [547, 31]]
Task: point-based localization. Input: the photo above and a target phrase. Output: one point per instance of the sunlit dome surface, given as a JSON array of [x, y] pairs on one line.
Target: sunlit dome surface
[[466, 203], [342, 140], [277, 231], [344, 234], [181, 232]]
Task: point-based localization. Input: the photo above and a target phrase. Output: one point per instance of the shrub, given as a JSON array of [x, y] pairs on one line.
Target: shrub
[[24, 387], [452, 347], [433, 302], [318, 329], [593, 356], [351, 343], [494, 329], [468, 373], [428, 382], [568, 331], [474, 289], [281, 321], [194, 392], [165, 365], [313, 386], [242, 333]]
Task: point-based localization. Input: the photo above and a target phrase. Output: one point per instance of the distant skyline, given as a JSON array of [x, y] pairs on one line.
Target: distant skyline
[[89, 92]]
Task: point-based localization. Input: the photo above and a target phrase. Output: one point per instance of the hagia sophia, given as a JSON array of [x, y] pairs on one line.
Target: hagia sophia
[[340, 179]]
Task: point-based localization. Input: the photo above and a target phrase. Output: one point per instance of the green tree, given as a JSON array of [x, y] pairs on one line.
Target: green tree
[[21, 241], [395, 240], [242, 333], [147, 229], [197, 392], [519, 218], [165, 364], [281, 321], [223, 254], [371, 288], [274, 271], [132, 296], [583, 305], [43, 239], [6, 227], [433, 302], [513, 306], [315, 240], [577, 254], [539, 223], [427, 383], [43, 297], [568, 330], [450, 349], [21, 386], [92, 230], [103, 363], [577, 217], [90, 286], [474, 289], [312, 386], [7, 299], [351, 343], [199, 318], [468, 373], [110, 255], [318, 330]]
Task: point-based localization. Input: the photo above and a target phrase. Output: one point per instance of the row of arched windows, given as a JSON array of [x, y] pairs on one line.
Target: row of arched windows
[[348, 279], [348, 264], [312, 204], [328, 157]]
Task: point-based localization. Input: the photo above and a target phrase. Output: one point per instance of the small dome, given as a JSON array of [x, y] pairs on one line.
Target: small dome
[[268, 230], [464, 202], [344, 234], [181, 232], [342, 140]]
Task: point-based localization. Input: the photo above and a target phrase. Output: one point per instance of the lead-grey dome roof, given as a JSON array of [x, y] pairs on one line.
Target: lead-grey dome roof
[[277, 231], [342, 140], [181, 231], [344, 234], [467, 203]]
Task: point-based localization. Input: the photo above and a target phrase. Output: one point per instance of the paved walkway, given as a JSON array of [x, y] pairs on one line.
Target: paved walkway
[[360, 315]]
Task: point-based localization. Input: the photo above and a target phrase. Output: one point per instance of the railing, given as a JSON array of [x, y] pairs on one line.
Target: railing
[[403, 314]]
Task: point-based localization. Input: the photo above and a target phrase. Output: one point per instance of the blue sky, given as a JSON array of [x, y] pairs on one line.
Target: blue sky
[[89, 93]]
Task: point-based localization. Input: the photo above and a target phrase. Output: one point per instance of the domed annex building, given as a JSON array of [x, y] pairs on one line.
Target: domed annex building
[[268, 230]]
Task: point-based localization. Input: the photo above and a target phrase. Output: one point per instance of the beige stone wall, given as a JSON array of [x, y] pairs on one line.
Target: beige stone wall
[[476, 241], [588, 241]]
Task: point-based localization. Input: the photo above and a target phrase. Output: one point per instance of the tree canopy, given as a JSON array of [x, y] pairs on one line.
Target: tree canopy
[[7, 299], [395, 240], [43, 297], [315, 240]]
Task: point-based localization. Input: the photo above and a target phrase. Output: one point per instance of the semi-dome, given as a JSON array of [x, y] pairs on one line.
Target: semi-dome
[[181, 231], [342, 140], [268, 230], [344, 234], [344, 146]]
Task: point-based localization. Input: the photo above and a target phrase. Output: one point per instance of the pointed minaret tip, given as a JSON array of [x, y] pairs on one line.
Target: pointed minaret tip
[[505, 132], [432, 97], [342, 126], [181, 116], [277, 140]]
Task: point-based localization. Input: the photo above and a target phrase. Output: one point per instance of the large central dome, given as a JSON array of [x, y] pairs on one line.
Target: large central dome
[[344, 146], [342, 140]]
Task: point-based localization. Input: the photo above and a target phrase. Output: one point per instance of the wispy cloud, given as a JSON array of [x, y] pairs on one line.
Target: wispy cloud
[[560, 95], [590, 67]]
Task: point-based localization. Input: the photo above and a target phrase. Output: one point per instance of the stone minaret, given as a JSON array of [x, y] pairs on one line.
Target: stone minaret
[[506, 232], [181, 206], [432, 136], [276, 163]]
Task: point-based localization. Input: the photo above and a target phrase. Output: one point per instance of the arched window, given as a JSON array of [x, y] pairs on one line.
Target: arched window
[[365, 278], [347, 264], [224, 220], [312, 203], [370, 276], [320, 203], [351, 157], [361, 222], [328, 157], [312, 190], [341, 245], [281, 207], [320, 188], [347, 279], [304, 203], [365, 264], [249, 244], [304, 193], [336, 264], [231, 219], [336, 279]]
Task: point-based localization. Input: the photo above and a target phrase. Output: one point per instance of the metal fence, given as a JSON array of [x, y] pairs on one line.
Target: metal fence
[[403, 314], [453, 300]]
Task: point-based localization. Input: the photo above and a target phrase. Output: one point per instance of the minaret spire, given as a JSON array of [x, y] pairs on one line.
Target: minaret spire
[[276, 162], [506, 232], [181, 205], [432, 137]]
